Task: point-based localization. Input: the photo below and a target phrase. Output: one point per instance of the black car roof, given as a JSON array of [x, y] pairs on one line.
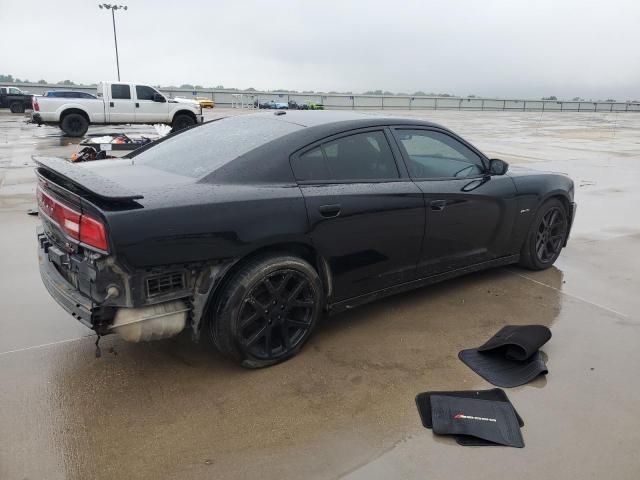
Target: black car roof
[[315, 118]]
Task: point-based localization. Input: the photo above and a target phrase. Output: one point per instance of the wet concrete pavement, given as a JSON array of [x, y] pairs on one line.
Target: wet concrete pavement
[[344, 407]]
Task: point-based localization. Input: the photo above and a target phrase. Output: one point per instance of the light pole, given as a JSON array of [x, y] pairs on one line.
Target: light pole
[[113, 8]]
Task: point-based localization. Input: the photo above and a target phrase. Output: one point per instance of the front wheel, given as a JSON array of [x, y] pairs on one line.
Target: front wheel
[[546, 236], [182, 121], [267, 311]]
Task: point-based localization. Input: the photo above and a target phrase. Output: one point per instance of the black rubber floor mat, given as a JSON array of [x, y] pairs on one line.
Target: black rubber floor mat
[[502, 372], [423, 401], [511, 357], [491, 420], [518, 342]]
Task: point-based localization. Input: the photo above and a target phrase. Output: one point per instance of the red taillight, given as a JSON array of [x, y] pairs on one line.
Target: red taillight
[[35, 105], [92, 232], [78, 226]]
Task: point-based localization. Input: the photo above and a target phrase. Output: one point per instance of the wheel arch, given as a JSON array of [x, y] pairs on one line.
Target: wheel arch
[[300, 249], [68, 111], [567, 202], [184, 112], [561, 195]]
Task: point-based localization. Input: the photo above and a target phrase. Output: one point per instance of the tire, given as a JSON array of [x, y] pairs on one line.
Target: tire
[[74, 125], [17, 107], [546, 236], [266, 311], [182, 121]]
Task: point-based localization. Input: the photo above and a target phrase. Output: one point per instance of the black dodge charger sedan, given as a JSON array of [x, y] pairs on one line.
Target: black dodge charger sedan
[[247, 228]]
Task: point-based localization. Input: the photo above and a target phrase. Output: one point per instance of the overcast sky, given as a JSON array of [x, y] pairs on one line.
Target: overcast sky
[[499, 48]]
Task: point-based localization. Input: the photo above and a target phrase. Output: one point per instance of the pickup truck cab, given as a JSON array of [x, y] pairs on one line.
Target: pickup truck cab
[[15, 99], [116, 103]]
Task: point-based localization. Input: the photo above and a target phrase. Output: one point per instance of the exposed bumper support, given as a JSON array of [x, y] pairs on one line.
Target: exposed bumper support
[[79, 306]]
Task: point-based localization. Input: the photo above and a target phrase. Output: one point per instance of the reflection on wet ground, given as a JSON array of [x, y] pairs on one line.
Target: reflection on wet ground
[[344, 407]]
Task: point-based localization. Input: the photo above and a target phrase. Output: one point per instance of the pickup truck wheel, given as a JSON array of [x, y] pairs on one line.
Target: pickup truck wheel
[[267, 311], [182, 121], [74, 125], [17, 107]]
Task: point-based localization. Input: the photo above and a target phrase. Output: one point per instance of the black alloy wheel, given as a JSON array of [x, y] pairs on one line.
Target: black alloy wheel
[[276, 315], [267, 310], [550, 235], [546, 237]]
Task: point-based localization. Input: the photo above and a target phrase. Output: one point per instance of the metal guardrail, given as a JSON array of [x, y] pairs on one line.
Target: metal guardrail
[[379, 102]]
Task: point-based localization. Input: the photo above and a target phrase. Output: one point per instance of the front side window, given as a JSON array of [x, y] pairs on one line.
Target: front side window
[[363, 156], [120, 92], [433, 154], [15, 91], [145, 93]]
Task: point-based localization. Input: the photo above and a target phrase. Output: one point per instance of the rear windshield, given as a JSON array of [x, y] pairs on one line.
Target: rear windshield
[[201, 150]]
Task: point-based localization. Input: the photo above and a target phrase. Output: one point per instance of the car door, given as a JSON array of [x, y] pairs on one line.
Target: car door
[[121, 105], [366, 216], [469, 213], [147, 109]]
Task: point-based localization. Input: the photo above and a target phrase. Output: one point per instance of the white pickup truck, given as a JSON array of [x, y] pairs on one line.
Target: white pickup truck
[[117, 103]]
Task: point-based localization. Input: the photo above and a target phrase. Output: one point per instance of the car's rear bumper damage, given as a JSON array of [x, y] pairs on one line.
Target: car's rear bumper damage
[[79, 306], [144, 305]]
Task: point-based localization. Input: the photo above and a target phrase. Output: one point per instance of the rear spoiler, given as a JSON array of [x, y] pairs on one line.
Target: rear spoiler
[[85, 179]]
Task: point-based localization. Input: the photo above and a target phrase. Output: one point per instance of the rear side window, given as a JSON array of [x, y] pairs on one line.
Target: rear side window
[[363, 156], [311, 166], [144, 93], [120, 92], [203, 149]]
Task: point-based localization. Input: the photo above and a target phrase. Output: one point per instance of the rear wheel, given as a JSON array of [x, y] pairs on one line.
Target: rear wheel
[[546, 236], [182, 121], [267, 311], [17, 107], [74, 125]]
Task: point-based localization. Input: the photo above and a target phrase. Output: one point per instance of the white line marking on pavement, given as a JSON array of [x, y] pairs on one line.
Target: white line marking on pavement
[[611, 310], [44, 345]]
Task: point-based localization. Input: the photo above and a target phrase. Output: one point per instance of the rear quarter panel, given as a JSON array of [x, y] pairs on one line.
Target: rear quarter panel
[[204, 222]]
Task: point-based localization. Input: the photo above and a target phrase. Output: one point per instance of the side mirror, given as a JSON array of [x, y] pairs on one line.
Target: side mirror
[[158, 98], [498, 167]]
